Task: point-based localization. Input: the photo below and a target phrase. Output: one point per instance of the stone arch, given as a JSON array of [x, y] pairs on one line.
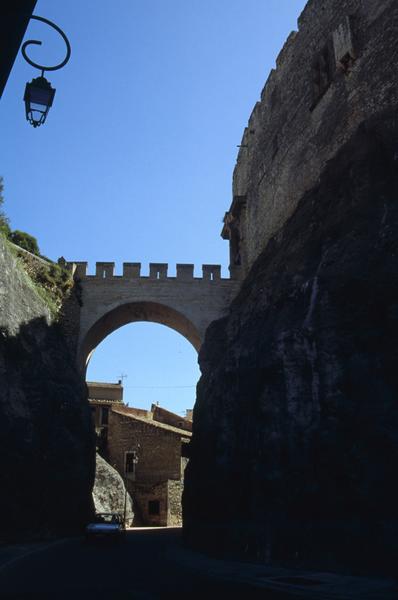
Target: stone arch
[[130, 313]]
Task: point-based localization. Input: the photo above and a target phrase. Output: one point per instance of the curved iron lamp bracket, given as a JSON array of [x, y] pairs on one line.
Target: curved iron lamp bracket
[[38, 43]]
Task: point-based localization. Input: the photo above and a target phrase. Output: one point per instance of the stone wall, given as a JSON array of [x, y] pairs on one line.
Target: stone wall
[[174, 508], [158, 451], [295, 432], [146, 493], [47, 456], [110, 392], [337, 70]]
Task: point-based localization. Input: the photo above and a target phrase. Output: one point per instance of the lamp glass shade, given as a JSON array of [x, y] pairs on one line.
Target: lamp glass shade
[[38, 98]]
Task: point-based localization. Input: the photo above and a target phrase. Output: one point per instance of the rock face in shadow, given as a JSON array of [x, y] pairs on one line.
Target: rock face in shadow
[[47, 457], [109, 492], [295, 441]]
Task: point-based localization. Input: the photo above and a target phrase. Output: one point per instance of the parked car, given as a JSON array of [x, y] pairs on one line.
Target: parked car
[[107, 526]]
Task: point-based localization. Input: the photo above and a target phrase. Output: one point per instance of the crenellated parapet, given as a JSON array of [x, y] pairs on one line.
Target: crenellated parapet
[[157, 271]]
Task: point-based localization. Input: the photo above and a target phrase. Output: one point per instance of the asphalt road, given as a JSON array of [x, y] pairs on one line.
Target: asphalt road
[[152, 563], [145, 566]]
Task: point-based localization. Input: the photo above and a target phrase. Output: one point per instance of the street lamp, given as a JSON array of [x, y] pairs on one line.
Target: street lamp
[[39, 95], [38, 98]]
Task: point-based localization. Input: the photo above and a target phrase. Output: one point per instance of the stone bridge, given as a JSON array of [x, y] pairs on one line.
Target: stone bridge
[[185, 303]]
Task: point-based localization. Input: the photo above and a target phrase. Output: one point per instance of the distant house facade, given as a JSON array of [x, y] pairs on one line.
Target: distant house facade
[[149, 448], [102, 396]]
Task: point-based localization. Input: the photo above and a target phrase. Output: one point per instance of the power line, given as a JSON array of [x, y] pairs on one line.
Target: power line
[[157, 387]]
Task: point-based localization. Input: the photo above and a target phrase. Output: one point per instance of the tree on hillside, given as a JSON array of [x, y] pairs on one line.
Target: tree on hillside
[[25, 240], [4, 226], [20, 238]]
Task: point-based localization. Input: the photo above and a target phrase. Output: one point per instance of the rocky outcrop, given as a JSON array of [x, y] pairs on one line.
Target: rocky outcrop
[[109, 492], [47, 438], [295, 429]]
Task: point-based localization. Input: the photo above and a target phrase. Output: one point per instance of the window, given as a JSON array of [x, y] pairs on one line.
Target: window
[[130, 462], [154, 507], [344, 51], [104, 415], [235, 243], [322, 73]]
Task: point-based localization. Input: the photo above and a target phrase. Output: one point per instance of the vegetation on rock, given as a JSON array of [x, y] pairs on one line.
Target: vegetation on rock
[[24, 240], [52, 281], [19, 238], [4, 226]]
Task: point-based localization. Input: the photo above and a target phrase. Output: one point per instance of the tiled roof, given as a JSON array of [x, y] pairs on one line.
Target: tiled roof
[[124, 410], [103, 401], [166, 416]]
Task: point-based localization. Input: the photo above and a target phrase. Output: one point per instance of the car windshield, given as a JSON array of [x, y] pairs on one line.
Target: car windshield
[[108, 518]]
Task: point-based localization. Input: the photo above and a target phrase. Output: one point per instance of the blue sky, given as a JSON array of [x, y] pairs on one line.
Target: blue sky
[[135, 160]]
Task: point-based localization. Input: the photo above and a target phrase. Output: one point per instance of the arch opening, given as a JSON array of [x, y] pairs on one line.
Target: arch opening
[[147, 446], [131, 313]]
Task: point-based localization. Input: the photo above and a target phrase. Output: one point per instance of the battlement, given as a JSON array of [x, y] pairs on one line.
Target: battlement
[[157, 271]]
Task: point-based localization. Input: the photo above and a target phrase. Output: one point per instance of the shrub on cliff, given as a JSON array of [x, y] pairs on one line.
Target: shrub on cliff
[[20, 238], [25, 240], [4, 226], [54, 278], [52, 281]]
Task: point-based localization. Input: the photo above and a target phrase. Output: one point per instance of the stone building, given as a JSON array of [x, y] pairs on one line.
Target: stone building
[[148, 448], [102, 396]]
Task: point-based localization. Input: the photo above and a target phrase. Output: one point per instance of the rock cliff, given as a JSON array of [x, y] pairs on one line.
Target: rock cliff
[[47, 438], [109, 492], [295, 429]]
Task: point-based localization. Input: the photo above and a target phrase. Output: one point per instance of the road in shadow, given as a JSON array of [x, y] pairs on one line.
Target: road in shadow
[[146, 565]]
